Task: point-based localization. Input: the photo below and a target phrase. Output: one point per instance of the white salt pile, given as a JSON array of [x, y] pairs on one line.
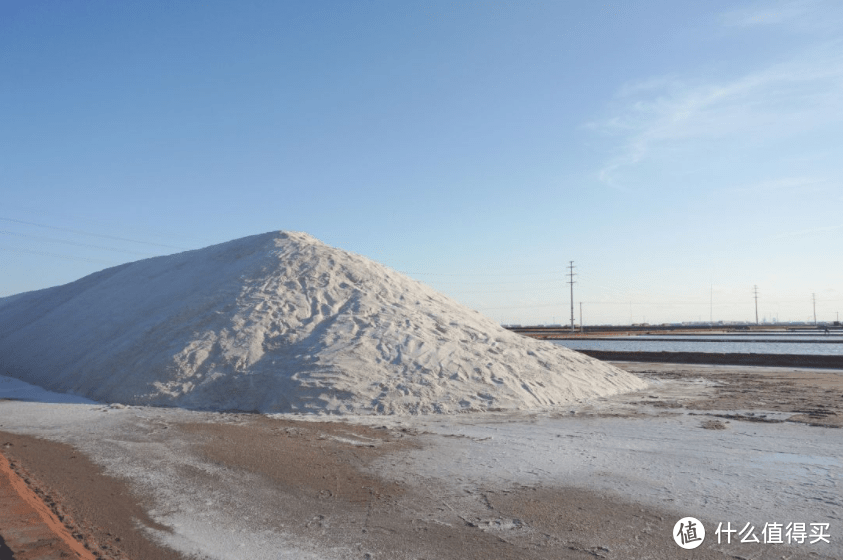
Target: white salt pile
[[280, 322]]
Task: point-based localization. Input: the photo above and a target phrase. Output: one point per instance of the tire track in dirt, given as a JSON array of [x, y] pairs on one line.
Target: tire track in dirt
[[30, 530], [100, 512]]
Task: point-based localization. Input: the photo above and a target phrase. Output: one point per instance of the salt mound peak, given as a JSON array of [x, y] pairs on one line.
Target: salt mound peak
[[280, 322]]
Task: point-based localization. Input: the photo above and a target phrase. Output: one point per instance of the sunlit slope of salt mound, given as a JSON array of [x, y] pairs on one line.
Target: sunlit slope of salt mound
[[280, 322]]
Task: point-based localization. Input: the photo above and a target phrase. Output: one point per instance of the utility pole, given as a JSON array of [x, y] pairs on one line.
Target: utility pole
[[711, 306], [571, 281], [756, 304], [814, 298], [581, 325]]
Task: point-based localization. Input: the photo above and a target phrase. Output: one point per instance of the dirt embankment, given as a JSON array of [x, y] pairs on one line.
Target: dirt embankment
[[771, 360]]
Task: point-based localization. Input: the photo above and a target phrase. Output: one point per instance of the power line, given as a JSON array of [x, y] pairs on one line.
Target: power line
[[532, 291], [482, 274], [617, 303], [571, 275], [501, 283], [146, 230], [520, 306], [80, 232], [64, 241], [719, 303], [55, 255]]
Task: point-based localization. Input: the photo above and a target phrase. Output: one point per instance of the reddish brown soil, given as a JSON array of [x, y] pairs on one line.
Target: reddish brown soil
[[31, 530], [99, 513]]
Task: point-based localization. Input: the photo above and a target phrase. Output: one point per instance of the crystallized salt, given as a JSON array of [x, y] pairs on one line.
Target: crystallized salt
[[280, 322]]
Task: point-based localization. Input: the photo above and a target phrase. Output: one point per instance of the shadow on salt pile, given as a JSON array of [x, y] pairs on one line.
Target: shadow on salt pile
[[12, 389]]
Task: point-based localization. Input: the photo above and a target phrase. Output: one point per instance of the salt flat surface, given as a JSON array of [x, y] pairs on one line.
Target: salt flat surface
[[280, 322], [751, 472]]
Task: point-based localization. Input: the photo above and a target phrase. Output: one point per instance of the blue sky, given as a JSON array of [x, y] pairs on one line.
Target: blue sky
[[679, 152]]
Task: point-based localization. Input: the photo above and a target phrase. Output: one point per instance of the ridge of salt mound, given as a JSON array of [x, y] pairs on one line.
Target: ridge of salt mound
[[280, 322]]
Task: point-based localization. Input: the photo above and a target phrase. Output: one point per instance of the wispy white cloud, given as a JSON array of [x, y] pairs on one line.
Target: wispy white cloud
[[800, 184], [669, 112], [771, 13], [807, 232], [791, 15], [657, 84]]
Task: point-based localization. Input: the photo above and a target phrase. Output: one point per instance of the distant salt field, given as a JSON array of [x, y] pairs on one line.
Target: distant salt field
[[813, 345], [833, 336]]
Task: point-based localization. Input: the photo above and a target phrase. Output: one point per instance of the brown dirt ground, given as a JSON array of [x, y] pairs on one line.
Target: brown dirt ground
[[812, 396], [29, 525], [100, 511]]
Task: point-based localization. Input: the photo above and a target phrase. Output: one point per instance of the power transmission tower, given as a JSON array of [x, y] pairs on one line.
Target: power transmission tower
[[814, 298], [582, 329], [756, 304], [571, 281]]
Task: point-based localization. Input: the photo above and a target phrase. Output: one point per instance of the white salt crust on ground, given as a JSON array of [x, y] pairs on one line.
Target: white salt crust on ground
[[280, 322]]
